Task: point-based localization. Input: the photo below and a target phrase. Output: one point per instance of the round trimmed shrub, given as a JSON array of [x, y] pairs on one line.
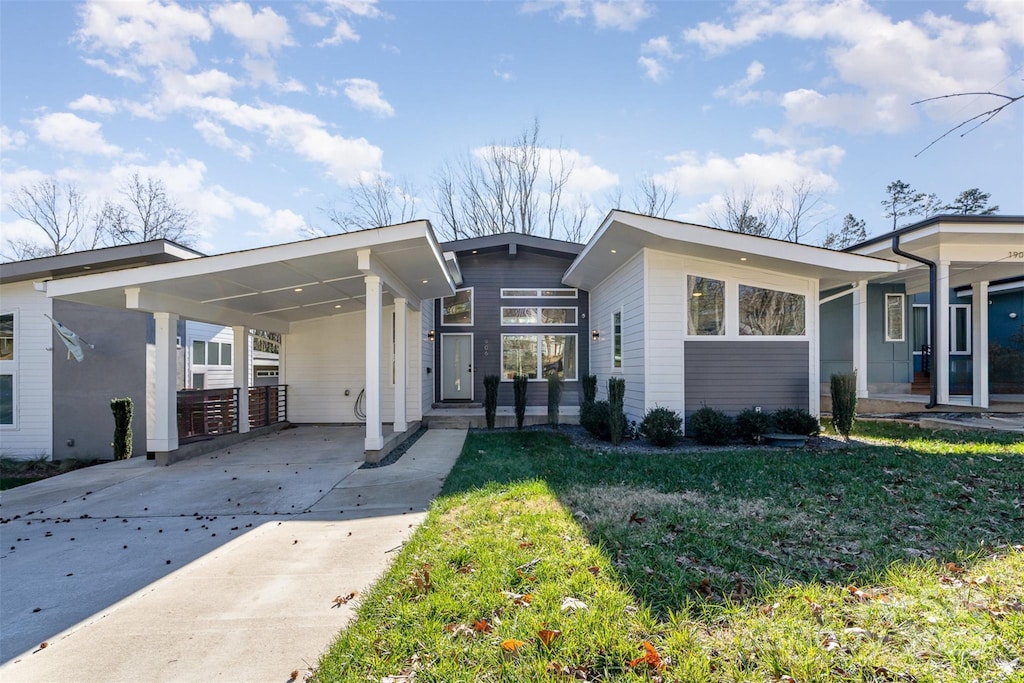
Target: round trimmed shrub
[[711, 427], [662, 426], [752, 425], [796, 421]]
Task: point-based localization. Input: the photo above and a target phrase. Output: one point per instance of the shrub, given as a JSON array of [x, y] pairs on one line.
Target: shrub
[[711, 427], [844, 402], [519, 385], [589, 389], [662, 426], [491, 384], [554, 398], [122, 409], [596, 418], [796, 421], [752, 425], [616, 418]]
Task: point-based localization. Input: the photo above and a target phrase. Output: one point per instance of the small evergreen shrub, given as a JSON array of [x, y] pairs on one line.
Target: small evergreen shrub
[[711, 427], [616, 418], [596, 418], [662, 426], [796, 421], [519, 385], [554, 398], [491, 384], [752, 425], [589, 389], [122, 409], [844, 402]]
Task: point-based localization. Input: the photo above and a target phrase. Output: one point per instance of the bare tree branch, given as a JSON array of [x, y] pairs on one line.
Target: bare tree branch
[[985, 116], [58, 210], [146, 213], [652, 199]]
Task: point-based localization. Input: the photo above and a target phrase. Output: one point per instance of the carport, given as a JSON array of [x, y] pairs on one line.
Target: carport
[[327, 297]]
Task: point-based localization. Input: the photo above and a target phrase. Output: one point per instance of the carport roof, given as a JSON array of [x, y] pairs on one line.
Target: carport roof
[[272, 287], [623, 234]]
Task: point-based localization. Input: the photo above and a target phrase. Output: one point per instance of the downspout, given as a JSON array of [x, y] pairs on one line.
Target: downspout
[[934, 323]]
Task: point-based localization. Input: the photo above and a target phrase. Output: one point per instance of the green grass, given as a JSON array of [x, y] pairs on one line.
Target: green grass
[[735, 565]]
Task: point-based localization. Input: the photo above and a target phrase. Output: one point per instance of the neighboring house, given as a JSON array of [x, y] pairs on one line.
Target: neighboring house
[[53, 406]]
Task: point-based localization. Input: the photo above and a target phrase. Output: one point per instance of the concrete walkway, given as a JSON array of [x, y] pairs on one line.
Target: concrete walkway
[[232, 564]]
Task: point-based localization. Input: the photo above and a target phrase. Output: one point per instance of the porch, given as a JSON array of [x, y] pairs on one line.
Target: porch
[[442, 416]]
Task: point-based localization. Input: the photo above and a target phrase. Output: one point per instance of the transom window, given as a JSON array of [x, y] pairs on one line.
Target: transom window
[[706, 313], [529, 293], [894, 323], [769, 312], [538, 355], [457, 309], [537, 315]]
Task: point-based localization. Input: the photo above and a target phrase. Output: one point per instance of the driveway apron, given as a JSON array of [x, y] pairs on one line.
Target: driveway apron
[[224, 567]]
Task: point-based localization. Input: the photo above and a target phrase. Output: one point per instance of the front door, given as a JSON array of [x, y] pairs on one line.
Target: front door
[[456, 367]]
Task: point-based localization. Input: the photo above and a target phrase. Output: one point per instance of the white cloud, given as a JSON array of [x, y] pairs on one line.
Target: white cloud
[[100, 105], [282, 225], [291, 85], [339, 9], [144, 33], [740, 92], [654, 53], [365, 94], [888, 63], [262, 32], [624, 15], [653, 69], [67, 132], [214, 134], [659, 47], [504, 75], [343, 32], [10, 140]]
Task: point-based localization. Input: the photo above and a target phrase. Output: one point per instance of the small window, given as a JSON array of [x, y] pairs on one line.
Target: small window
[[198, 380], [705, 306], [558, 293], [6, 399], [921, 327], [458, 308], [617, 340], [527, 293], [7, 336], [198, 353], [267, 373], [519, 316], [894, 325], [960, 329], [769, 312], [225, 354]]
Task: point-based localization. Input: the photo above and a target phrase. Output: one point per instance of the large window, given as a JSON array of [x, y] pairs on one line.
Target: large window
[[7, 336], [537, 315], [8, 369], [960, 329], [538, 355], [617, 340], [705, 306], [769, 312], [457, 309], [894, 325]]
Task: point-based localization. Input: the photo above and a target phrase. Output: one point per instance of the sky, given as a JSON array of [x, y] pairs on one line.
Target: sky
[[260, 117]]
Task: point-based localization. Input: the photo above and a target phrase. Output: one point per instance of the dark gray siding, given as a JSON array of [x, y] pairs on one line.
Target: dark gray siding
[[114, 369], [488, 272], [733, 375]]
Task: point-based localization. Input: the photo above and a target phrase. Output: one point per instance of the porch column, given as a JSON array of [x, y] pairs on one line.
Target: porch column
[[860, 337], [240, 366], [401, 363], [163, 438], [979, 344], [374, 432], [940, 345]]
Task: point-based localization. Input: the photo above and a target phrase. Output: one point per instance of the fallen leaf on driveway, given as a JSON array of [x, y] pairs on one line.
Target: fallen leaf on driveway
[[344, 599]]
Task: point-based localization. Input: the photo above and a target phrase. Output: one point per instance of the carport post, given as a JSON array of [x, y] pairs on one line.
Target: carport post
[[979, 343], [401, 369], [860, 337], [374, 432], [163, 439], [240, 371]]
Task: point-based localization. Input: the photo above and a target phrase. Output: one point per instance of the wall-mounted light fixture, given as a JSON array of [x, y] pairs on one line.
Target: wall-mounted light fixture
[[595, 335], [431, 336], [1013, 315]]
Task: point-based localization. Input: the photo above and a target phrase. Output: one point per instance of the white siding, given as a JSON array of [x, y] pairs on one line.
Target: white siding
[[32, 433], [217, 376], [425, 347], [665, 280], [622, 290]]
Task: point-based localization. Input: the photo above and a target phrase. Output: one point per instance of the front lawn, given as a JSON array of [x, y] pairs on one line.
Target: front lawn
[[541, 561]]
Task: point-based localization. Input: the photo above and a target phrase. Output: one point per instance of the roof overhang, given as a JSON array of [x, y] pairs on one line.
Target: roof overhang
[[622, 235], [96, 261], [976, 250], [270, 288]]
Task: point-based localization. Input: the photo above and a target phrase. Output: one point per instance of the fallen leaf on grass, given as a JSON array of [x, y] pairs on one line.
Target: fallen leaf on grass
[[511, 645], [831, 643], [650, 657], [954, 568], [406, 676], [548, 636], [572, 604], [457, 629], [482, 625], [634, 518], [577, 672], [769, 610], [816, 609], [519, 600], [526, 544], [865, 594], [344, 599], [419, 579], [890, 675], [594, 570]]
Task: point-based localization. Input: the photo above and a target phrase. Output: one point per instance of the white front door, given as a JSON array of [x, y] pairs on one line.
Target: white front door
[[456, 366]]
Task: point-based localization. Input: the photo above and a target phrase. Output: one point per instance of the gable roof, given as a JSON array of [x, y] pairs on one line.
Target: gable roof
[[512, 242]]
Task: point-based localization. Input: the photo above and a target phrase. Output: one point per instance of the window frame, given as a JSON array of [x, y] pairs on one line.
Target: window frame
[[733, 279], [617, 341], [14, 336], [538, 293], [902, 339], [540, 316], [725, 305], [968, 323], [539, 339], [9, 367], [472, 308]]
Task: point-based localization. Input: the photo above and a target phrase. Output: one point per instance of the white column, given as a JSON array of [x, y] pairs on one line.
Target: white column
[[860, 337], [240, 365], [164, 436], [401, 363], [979, 343], [374, 431], [940, 345]]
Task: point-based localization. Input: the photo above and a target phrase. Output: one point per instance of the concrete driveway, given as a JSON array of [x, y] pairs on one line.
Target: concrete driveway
[[225, 566]]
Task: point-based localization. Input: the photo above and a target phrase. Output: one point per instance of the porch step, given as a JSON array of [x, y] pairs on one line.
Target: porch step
[[922, 385], [461, 417]]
